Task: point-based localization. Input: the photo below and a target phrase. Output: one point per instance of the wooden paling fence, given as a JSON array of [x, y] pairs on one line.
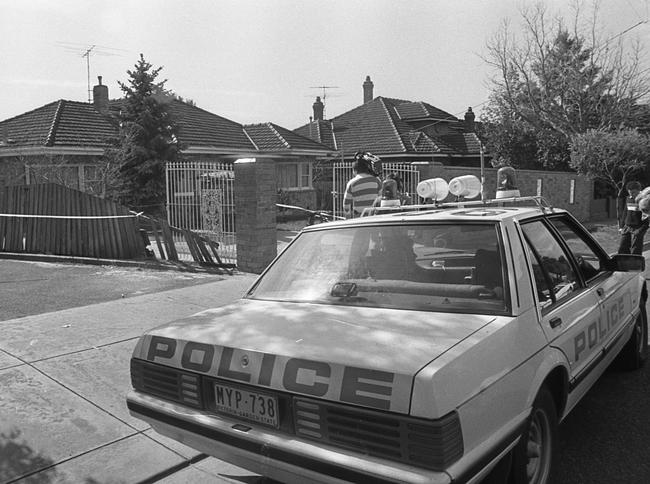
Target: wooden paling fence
[[53, 219], [203, 250]]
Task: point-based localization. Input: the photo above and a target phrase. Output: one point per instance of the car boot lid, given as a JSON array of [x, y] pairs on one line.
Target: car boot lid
[[353, 354]]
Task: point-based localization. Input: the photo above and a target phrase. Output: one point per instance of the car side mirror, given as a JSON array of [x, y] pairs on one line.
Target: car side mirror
[[626, 263]]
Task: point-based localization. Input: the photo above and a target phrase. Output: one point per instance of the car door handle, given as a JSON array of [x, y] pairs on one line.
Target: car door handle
[[601, 292], [555, 322]]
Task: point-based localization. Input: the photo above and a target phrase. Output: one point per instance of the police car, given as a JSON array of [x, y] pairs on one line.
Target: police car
[[438, 345]]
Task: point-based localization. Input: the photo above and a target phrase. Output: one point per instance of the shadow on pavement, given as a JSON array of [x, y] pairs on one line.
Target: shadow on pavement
[[18, 459]]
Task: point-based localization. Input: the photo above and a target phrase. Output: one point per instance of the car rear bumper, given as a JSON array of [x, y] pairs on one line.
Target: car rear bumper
[[279, 456]]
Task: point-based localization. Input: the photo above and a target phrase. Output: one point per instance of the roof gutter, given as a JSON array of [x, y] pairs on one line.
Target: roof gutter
[[6, 152], [212, 150], [425, 156]]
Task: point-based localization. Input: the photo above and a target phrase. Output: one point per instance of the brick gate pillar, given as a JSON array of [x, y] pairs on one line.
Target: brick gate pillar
[[255, 199]]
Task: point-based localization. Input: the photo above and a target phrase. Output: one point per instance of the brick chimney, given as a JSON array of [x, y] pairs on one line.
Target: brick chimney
[[367, 90], [100, 97], [318, 109], [469, 120]]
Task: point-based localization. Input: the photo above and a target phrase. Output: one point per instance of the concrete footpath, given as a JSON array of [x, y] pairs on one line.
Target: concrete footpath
[[64, 377]]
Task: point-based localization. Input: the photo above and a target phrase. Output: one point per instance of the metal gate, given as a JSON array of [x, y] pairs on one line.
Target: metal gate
[[342, 173], [200, 198]]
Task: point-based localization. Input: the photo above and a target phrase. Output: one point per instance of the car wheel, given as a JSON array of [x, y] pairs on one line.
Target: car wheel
[[532, 458], [635, 352]]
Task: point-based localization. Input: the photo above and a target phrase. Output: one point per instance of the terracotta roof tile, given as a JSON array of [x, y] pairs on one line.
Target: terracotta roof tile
[[368, 127], [30, 128], [79, 124], [408, 110], [461, 143], [319, 130], [394, 126], [271, 137], [265, 137], [198, 127]]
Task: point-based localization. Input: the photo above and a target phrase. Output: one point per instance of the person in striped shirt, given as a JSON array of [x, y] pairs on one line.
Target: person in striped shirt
[[364, 188]]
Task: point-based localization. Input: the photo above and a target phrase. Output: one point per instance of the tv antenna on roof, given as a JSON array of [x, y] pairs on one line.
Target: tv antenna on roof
[[324, 96], [87, 56], [87, 50]]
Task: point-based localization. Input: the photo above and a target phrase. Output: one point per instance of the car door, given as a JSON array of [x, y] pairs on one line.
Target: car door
[[569, 307], [617, 291]]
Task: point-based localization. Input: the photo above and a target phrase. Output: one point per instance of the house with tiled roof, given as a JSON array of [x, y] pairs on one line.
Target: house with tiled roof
[[64, 142], [406, 134], [397, 130]]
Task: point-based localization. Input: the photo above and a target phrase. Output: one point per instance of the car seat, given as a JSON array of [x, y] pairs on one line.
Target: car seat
[[487, 269]]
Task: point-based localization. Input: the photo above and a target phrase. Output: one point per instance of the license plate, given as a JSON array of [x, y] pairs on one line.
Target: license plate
[[248, 405]]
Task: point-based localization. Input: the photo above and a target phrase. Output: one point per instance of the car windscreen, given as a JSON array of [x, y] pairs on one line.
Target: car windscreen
[[433, 267]]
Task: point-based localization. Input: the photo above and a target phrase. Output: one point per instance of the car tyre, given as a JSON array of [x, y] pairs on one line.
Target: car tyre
[[533, 456], [635, 352]]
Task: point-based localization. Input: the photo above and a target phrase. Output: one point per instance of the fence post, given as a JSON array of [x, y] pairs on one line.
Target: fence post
[[255, 199]]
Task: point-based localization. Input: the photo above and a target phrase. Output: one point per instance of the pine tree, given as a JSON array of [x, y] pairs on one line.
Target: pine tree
[[147, 140]]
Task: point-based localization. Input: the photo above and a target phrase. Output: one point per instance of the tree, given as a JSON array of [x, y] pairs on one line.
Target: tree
[[512, 141], [147, 140], [557, 82], [610, 156]]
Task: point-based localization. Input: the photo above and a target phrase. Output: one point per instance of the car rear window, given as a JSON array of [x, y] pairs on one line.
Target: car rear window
[[434, 267]]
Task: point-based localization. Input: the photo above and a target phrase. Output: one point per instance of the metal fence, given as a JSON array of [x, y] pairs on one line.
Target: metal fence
[[342, 173], [200, 198]]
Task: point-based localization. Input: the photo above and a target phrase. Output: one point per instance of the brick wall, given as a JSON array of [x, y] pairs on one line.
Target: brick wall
[[255, 199]]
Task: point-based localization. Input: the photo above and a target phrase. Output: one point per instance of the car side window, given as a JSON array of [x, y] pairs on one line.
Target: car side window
[[589, 263], [554, 276]]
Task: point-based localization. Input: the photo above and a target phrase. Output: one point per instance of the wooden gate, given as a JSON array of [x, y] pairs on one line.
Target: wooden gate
[[342, 173], [200, 198]]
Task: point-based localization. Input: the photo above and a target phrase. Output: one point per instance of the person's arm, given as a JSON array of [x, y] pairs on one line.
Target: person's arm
[[347, 200]]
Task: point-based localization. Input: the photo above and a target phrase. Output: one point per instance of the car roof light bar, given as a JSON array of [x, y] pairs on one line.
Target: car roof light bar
[[539, 201]]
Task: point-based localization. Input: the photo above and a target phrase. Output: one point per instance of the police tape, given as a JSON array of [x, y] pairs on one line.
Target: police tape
[[24, 215]]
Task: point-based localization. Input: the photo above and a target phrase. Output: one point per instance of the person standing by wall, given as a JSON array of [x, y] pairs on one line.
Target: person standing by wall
[[632, 221], [364, 188]]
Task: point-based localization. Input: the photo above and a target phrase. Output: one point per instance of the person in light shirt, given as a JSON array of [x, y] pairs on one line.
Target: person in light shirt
[[364, 188]]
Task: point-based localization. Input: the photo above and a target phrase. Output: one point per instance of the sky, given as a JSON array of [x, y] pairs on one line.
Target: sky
[[267, 60]]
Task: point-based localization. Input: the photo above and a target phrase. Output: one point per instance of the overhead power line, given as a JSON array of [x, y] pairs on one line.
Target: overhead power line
[[625, 31]]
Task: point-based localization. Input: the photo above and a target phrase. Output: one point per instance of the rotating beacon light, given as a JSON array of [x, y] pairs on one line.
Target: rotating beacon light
[[466, 186], [436, 189], [507, 183]]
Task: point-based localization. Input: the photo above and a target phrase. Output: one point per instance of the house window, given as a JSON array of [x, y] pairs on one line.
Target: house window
[[295, 176], [66, 175], [87, 178], [92, 182]]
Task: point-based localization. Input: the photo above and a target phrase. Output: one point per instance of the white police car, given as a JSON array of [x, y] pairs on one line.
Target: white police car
[[434, 346]]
